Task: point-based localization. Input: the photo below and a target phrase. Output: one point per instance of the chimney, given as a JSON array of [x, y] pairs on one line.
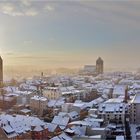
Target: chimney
[[2, 124], [32, 127], [111, 93], [9, 123]]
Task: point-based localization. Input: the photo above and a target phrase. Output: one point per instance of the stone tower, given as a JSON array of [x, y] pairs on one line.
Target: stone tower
[[1, 71], [99, 66]]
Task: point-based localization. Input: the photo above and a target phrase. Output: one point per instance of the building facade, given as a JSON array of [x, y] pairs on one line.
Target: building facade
[[93, 69], [38, 104], [135, 107], [112, 110], [52, 93]]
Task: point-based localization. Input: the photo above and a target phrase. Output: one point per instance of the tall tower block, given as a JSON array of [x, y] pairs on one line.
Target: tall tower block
[[99, 66], [1, 71]]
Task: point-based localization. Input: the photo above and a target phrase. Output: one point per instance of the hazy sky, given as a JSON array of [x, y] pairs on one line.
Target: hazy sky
[[70, 33]]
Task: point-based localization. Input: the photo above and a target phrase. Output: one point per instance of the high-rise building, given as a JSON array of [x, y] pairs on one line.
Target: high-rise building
[[134, 110], [99, 66], [1, 71]]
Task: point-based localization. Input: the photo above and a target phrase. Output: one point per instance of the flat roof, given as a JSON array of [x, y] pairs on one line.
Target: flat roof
[[119, 137]]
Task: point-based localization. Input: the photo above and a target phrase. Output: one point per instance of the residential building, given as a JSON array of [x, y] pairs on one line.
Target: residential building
[[135, 107], [38, 104], [112, 110]]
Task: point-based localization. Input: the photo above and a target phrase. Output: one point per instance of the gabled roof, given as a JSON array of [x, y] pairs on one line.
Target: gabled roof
[[51, 127], [61, 121]]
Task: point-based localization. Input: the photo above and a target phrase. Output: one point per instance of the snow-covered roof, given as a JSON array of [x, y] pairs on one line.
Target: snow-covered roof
[[115, 100], [98, 129], [38, 128], [84, 123], [61, 121], [15, 125], [6, 98], [96, 137], [10, 89], [112, 105], [28, 86], [38, 98], [119, 90], [62, 114], [69, 130], [62, 136], [51, 127], [81, 105], [8, 129], [79, 130], [136, 99], [73, 114], [52, 88], [95, 102], [54, 103], [25, 110], [119, 137]]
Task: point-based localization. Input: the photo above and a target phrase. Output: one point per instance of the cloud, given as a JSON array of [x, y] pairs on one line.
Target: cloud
[[119, 12], [10, 9], [26, 2], [49, 8], [31, 12], [14, 9], [24, 7]]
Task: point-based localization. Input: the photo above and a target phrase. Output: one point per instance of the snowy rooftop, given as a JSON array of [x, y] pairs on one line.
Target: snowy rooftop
[[25, 110], [112, 106], [62, 136], [61, 121], [119, 137], [15, 125], [53, 103], [136, 99], [119, 90], [39, 98], [6, 98], [115, 100]]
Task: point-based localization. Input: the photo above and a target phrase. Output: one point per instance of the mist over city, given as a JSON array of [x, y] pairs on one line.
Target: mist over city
[[69, 70], [69, 34]]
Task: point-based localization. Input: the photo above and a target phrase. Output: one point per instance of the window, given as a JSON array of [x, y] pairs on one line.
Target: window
[[134, 111]]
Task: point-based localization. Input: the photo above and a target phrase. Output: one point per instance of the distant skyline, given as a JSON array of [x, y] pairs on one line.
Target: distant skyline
[[53, 34]]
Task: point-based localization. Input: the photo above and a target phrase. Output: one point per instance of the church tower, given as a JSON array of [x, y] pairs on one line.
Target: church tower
[[99, 66], [1, 71]]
